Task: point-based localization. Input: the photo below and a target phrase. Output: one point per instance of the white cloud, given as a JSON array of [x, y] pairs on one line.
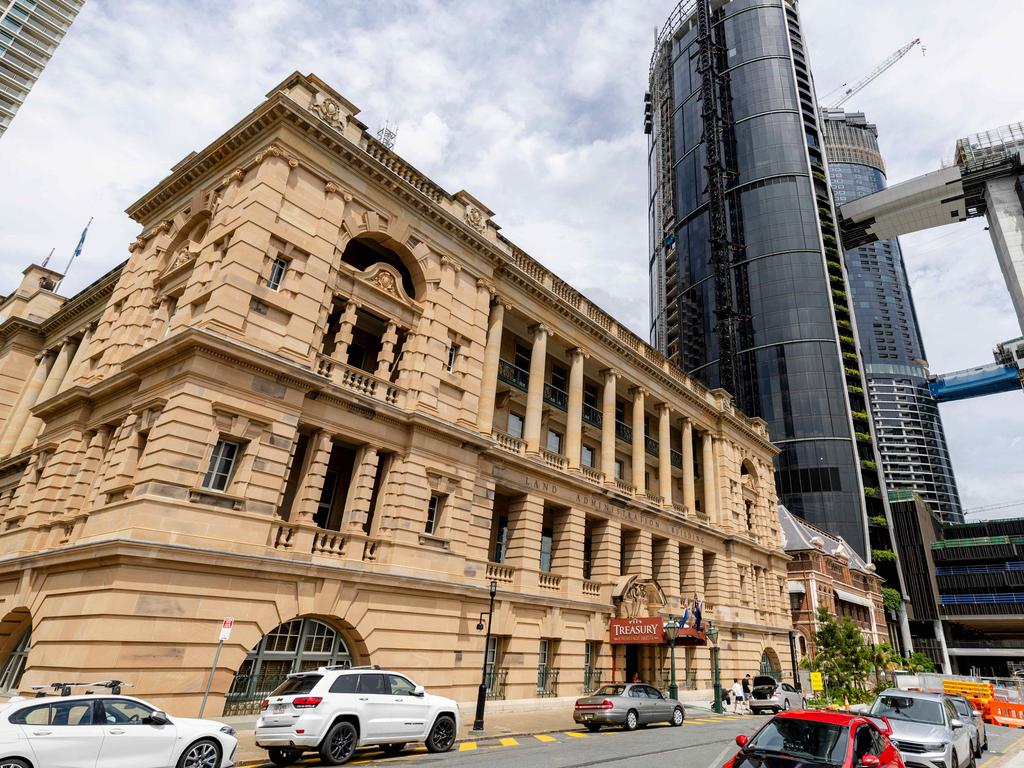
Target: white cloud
[[535, 108]]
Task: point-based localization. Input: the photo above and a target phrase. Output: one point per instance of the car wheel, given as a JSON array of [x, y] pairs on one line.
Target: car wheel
[[956, 760], [972, 763], [392, 749], [977, 750], [678, 716], [339, 744], [593, 727], [632, 720], [785, 704], [442, 735], [279, 756], [202, 754], [13, 762]]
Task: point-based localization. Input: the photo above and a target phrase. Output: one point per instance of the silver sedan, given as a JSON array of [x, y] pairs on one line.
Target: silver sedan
[[767, 693], [629, 705]]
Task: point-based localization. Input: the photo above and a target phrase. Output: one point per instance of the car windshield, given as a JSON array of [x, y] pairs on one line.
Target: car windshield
[[296, 686], [908, 708], [610, 690], [806, 739]]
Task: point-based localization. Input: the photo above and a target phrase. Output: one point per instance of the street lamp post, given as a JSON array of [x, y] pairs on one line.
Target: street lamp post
[[712, 635], [672, 632], [481, 694]]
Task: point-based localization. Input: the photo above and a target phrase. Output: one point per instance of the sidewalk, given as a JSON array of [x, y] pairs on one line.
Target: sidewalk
[[502, 719]]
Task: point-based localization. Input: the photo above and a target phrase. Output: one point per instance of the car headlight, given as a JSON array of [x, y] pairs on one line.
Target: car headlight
[[934, 747], [228, 730]]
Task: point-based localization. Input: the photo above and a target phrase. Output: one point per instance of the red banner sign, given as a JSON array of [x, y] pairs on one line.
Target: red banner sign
[[649, 630]]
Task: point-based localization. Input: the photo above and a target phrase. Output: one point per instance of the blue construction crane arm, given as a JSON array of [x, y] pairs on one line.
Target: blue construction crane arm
[[974, 382]]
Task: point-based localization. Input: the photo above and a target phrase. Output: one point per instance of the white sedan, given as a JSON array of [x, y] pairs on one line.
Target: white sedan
[[108, 732]]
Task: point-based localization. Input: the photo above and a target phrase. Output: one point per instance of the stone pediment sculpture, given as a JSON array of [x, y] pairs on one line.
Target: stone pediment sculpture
[[638, 598], [387, 280]]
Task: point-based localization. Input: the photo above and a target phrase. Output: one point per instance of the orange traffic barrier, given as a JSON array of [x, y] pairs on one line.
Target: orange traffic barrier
[[1005, 713]]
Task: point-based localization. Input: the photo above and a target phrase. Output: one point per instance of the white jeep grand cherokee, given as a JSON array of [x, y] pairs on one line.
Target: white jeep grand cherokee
[[332, 711]]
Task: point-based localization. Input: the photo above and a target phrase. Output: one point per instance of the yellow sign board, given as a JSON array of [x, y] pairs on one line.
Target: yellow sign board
[[817, 684]]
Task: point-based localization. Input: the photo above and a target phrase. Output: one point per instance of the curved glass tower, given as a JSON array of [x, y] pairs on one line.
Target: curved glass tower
[[748, 288], [911, 440]]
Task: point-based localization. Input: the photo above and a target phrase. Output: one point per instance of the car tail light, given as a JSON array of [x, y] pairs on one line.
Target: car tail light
[[264, 704], [607, 704], [306, 702]]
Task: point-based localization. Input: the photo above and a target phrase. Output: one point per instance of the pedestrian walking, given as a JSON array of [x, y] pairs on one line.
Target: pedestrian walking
[[746, 688], [737, 696]]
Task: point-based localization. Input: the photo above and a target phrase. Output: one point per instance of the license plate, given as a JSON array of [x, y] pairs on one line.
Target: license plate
[[588, 716], [279, 707]]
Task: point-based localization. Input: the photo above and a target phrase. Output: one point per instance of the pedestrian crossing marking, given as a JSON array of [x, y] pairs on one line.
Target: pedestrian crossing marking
[[576, 734], [508, 741], [544, 738], [467, 746]]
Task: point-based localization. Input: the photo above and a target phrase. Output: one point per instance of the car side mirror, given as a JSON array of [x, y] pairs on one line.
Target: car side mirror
[[975, 713], [158, 718], [956, 723], [870, 761], [742, 740], [419, 690]]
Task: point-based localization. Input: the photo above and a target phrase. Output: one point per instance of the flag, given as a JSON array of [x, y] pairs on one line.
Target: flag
[[686, 615], [78, 248], [47, 259]]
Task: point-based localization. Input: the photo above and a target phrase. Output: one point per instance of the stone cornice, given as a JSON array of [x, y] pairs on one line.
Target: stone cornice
[[84, 301]]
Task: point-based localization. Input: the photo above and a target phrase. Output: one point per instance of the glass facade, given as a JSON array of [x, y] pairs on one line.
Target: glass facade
[[790, 368], [30, 31], [911, 441]]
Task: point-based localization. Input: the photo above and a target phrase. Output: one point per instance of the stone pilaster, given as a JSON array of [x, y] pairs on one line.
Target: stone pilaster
[[569, 532], [49, 389], [665, 453], [81, 352], [20, 411], [94, 450], [314, 470], [607, 546], [360, 490], [708, 476], [666, 567], [639, 453], [525, 521], [574, 413], [492, 355], [689, 491], [608, 426]]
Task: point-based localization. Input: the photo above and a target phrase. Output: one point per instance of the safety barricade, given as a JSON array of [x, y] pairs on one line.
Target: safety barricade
[[1005, 713]]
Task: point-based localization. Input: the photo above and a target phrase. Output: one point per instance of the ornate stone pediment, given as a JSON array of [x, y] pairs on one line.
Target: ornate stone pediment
[[638, 598], [327, 108], [387, 280]]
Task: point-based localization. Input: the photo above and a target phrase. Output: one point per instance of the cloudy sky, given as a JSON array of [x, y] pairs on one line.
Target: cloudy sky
[[532, 106]]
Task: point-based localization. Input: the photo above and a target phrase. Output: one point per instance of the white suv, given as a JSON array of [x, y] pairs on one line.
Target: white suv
[[333, 711]]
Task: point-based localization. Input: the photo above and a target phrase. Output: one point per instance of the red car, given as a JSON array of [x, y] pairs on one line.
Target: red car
[[818, 739]]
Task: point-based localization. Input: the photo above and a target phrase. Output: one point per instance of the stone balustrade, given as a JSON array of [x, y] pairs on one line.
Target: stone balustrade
[[358, 380], [503, 574]]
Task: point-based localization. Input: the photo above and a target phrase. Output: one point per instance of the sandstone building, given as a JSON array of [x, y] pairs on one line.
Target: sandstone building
[[327, 398]]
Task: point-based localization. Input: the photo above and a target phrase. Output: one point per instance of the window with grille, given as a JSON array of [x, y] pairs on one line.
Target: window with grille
[[277, 273], [222, 463]]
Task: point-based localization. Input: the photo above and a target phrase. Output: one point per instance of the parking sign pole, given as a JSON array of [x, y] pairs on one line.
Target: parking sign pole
[[225, 632]]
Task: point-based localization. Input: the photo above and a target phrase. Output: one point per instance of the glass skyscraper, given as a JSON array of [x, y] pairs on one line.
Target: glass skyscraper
[[30, 31], [775, 291], [911, 441]]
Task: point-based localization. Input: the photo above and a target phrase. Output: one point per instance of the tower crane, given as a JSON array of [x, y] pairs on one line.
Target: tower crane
[[851, 91]]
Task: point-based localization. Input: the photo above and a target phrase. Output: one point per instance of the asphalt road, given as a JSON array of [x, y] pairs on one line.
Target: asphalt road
[[702, 742]]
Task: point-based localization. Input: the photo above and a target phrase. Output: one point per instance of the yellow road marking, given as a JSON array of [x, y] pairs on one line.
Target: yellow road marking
[[467, 746], [575, 734], [508, 741], [544, 738]]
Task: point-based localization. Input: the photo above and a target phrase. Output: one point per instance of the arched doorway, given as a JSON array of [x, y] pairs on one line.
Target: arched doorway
[[770, 664], [15, 642], [295, 646]]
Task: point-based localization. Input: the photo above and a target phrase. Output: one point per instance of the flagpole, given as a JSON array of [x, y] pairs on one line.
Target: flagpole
[[78, 248]]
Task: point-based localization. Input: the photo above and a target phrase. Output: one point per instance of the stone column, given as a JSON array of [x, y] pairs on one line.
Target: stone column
[[606, 547], [76, 361], [608, 425], [639, 454], [489, 380], [569, 531], [574, 417], [314, 470], [343, 336], [94, 451], [360, 490], [53, 381], [535, 392], [708, 475], [20, 411], [386, 356], [665, 453], [689, 491], [525, 521]]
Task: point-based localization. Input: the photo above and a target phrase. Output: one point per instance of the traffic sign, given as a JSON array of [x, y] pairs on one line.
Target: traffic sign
[[817, 684], [225, 628]]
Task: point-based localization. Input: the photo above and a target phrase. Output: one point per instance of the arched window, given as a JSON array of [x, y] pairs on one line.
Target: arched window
[[14, 665], [770, 664], [295, 646], [362, 252]]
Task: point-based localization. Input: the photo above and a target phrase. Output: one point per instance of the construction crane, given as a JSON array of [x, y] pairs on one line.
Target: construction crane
[[853, 90]]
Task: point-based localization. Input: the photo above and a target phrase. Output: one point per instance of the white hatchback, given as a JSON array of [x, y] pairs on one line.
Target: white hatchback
[[108, 732], [332, 711]]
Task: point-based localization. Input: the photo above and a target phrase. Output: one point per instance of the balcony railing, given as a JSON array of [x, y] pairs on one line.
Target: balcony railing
[[624, 432], [591, 679], [591, 588], [503, 574], [556, 397], [547, 682], [650, 445], [677, 459], [593, 475], [625, 487], [495, 681], [554, 460], [509, 443], [550, 581], [514, 375], [358, 380], [592, 415]]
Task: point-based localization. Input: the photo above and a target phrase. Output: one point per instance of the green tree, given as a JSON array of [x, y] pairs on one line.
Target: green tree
[[882, 658], [841, 655], [918, 662]]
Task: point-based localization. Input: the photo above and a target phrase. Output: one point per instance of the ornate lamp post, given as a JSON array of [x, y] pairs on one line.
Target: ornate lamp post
[[672, 632], [481, 694], [712, 635]]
